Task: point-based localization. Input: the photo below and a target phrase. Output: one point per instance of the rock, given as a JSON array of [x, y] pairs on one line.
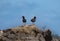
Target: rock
[[55, 39], [1, 32], [24, 33]]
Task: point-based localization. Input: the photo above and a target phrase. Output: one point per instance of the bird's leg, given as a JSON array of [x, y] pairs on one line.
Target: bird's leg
[[33, 23], [24, 24]]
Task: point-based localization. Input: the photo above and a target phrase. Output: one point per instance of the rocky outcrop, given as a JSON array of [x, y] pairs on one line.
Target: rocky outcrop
[[25, 33]]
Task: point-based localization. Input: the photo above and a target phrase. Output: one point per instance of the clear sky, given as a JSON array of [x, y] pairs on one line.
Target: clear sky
[[47, 12]]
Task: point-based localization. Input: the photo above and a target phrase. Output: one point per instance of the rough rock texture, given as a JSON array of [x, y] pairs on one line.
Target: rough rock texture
[[26, 33]]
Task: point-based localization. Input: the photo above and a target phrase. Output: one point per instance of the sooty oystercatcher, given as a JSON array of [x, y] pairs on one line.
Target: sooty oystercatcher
[[33, 20], [24, 20]]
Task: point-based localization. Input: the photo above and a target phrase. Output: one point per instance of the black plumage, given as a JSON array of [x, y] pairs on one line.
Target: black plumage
[[33, 19], [23, 19]]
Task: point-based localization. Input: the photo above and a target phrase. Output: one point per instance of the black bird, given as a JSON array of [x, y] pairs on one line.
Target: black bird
[[33, 19], [23, 19]]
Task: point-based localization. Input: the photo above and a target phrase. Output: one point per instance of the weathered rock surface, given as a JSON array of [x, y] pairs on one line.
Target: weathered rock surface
[[26, 33]]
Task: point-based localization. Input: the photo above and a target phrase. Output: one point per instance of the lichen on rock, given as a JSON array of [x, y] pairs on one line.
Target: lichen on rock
[[23, 33]]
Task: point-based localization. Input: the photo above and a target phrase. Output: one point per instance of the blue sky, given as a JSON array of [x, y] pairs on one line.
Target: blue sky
[[47, 12]]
